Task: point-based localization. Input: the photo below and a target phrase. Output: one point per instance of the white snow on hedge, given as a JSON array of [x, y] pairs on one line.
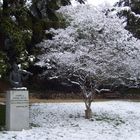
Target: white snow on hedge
[[112, 120]]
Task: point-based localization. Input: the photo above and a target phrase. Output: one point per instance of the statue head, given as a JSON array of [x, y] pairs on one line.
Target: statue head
[[15, 67]]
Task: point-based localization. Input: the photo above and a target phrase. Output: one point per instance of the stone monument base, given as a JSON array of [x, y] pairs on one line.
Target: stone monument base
[[17, 110]]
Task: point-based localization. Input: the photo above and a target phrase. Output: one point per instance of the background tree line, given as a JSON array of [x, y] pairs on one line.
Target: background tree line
[[24, 23]]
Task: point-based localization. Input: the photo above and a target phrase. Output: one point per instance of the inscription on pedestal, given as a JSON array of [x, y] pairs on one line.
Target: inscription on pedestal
[[17, 110], [17, 97]]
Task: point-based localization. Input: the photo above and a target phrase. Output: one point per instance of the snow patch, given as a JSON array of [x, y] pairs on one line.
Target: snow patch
[[112, 120]]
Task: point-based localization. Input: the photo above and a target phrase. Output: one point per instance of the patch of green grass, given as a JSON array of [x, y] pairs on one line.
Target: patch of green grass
[[2, 116], [34, 125], [114, 120]]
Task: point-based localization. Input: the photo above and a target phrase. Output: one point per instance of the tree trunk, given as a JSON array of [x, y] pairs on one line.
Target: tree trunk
[[88, 113]]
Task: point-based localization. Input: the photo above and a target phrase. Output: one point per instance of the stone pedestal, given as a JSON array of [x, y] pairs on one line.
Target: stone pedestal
[[17, 110]]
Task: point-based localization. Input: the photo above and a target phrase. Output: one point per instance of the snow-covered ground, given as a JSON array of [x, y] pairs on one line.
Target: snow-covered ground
[[112, 120]]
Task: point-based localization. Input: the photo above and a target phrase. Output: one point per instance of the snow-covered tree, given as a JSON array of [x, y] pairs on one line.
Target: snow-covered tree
[[93, 49]]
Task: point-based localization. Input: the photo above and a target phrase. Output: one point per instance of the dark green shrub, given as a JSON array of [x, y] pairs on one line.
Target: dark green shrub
[[2, 116]]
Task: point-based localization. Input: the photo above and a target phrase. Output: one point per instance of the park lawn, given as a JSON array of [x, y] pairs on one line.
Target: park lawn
[[112, 120]]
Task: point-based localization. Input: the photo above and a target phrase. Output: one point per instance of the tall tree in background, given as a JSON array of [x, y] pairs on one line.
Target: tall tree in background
[[22, 26], [13, 32], [131, 10]]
